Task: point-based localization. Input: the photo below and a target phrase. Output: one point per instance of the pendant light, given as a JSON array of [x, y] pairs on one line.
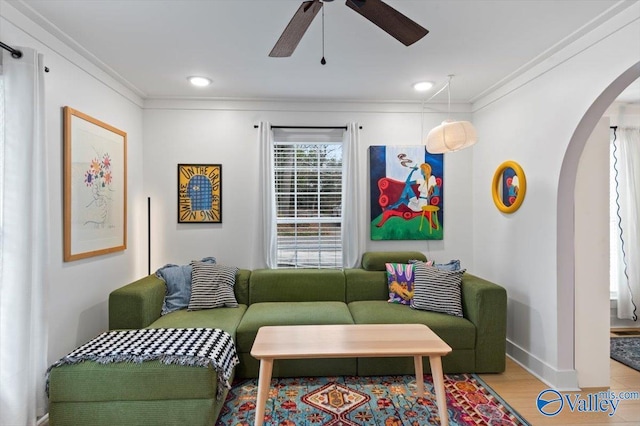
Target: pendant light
[[450, 135]]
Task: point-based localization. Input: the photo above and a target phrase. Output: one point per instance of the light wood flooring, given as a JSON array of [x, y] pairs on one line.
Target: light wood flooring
[[519, 389]]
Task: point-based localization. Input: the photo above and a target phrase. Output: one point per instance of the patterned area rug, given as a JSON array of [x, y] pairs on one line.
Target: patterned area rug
[[626, 350], [367, 401]]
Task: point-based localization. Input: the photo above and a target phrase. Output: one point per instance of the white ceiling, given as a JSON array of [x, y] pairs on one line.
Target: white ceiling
[[153, 45]]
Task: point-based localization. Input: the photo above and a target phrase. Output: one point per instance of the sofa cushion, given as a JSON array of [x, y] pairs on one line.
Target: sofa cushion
[[296, 285], [200, 411], [366, 285], [458, 332], [400, 282], [452, 265], [376, 260], [241, 287], [286, 313], [437, 290], [226, 319], [178, 281], [212, 286], [122, 381]]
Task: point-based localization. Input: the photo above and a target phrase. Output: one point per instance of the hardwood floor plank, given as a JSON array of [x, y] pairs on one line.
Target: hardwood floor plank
[[520, 389]]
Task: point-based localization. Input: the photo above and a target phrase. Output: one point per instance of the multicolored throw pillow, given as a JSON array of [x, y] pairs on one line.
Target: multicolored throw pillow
[[400, 280]]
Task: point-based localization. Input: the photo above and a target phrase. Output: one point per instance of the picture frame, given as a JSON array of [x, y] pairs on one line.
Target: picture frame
[[509, 187], [406, 186], [95, 186], [199, 193]]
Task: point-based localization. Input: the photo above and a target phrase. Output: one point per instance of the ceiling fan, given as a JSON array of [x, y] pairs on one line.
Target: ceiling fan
[[381, 14]]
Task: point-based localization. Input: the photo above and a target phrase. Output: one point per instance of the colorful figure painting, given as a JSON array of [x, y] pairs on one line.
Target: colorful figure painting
[[406, 193], [199, 193], [510, 186]]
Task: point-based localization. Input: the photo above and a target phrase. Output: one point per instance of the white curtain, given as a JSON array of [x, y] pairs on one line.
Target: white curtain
[[352, 243], [23, 236], [627, 153], [269, 244]]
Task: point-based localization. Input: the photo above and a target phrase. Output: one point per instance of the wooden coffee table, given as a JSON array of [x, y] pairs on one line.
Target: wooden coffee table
[[349, 341]]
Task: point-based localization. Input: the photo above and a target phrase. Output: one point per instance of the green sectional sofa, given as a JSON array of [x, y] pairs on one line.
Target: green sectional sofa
[[158, 394]]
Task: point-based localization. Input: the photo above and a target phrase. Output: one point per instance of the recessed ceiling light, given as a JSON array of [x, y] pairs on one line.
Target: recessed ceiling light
[[423, 86], [199, 81]]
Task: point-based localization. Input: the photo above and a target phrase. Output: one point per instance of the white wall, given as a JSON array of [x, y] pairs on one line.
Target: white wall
[[532, 120], [78, 291], [592, 259], [223, 132]]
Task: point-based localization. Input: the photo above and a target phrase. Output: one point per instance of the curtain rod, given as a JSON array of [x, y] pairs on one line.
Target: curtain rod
[[14, 52], [255, 126]]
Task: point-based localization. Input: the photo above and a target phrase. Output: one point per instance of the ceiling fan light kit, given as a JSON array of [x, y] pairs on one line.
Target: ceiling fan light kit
[[379, 13]]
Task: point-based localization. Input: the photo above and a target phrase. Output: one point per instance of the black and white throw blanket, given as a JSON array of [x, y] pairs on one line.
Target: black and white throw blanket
[[201, 347]]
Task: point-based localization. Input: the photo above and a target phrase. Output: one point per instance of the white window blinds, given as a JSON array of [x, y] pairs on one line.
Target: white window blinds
[[308, 195]]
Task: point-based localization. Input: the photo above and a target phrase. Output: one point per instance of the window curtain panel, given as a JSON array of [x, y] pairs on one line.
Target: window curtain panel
[[627, 153], [269, 235], [352, 242], [24, 242]]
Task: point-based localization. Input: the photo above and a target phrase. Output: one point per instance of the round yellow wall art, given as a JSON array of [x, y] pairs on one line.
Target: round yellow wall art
[[509, 187]]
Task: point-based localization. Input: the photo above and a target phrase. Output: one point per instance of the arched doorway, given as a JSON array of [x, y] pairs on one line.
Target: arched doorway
[[565, 221]]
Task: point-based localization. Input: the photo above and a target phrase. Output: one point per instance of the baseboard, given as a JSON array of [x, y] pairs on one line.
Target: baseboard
[[43, 421], [562, 380]]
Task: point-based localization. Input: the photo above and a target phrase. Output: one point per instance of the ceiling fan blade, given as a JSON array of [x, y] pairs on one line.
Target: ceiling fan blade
[[296, 28], [393, 22]]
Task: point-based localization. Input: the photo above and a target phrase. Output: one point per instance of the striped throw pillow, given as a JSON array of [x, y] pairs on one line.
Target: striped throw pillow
[[437, 290], [212, 286]]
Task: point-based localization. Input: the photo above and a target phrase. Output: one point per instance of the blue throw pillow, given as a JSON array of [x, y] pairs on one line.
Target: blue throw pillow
[[452, 265], [178, 281]]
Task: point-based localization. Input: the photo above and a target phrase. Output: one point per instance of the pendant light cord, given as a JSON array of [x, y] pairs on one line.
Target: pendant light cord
[[422, 119], [446, 86], [449, 97]]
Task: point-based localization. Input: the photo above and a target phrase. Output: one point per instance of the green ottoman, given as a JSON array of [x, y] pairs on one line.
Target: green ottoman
[[149, 393]]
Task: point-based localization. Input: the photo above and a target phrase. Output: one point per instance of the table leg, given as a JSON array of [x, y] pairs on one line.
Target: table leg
[[438, 384], [264, 382], [417, 361]]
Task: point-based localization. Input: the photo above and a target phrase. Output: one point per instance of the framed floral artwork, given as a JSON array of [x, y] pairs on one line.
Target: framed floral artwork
[[95, 187], [199, 193]]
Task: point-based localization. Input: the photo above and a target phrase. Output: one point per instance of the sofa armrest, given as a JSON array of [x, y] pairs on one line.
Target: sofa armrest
[[136, 305], [485, 305]]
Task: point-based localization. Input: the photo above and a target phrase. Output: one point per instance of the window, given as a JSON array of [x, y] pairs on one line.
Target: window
[[308, 194]]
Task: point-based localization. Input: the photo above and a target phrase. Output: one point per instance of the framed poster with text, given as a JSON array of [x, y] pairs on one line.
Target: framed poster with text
[[199, 193]]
